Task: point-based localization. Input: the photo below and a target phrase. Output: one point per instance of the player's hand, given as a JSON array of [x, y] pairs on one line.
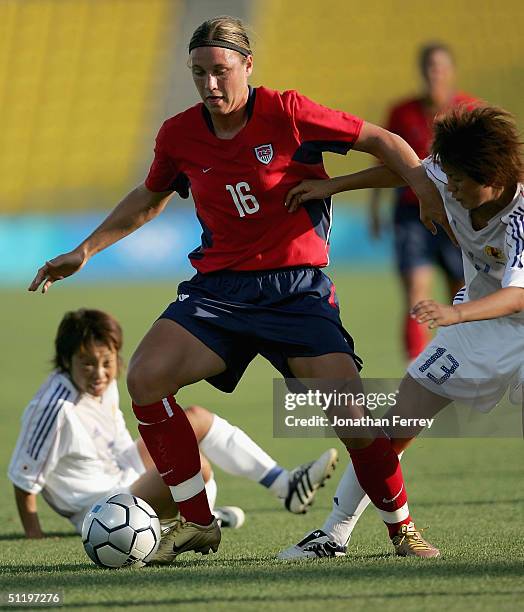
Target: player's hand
[[437, 315], [432, 210], [308, 190], [56, 269]]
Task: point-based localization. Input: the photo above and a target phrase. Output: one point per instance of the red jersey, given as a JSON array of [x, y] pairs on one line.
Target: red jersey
[[239, 185], [411, 120]]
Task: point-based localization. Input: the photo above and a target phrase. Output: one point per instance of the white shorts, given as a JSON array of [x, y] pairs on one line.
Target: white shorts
[[124, 487], [473, 363]]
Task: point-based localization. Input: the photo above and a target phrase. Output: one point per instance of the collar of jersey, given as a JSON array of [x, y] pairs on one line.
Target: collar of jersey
[[250, 106]]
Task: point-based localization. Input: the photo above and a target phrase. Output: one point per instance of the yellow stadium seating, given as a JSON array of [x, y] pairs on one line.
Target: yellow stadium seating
[[80, 84], [84, 83], [361, 56]]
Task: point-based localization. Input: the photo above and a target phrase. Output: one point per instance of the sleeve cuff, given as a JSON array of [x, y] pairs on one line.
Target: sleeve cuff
[[21, 483]]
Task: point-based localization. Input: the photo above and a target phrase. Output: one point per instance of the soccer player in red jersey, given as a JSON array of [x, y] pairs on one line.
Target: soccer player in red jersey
[[259, 287], [416, 250]]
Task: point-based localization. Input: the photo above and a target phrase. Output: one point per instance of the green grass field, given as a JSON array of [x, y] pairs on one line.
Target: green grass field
[[470, 492]]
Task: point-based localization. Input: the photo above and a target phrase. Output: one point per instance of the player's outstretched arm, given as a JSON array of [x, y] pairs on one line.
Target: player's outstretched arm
[[26, 504], [318, 189], [394, 152], [137, 208], [506, 301]]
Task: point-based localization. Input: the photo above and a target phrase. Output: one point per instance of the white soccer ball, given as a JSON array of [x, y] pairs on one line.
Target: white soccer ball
[[121, 530]]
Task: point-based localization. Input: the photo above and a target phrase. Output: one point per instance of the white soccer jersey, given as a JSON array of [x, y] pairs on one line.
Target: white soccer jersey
[[74, 448], [493, 256], [475, 362]]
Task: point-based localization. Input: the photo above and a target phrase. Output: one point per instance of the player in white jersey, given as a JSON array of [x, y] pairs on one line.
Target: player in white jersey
[[75, 448], [477, 167]]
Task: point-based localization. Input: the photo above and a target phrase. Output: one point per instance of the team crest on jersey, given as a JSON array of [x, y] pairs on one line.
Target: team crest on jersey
[[264, 153], [495, 253]]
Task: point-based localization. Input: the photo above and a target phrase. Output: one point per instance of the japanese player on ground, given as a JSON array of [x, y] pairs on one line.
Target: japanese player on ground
[[74, 447]]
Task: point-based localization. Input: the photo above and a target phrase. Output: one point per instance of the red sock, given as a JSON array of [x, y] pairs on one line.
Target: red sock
[[415, 337], [378, 471], [172, 444]]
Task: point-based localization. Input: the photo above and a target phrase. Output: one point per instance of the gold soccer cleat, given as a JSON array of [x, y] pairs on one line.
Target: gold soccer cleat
[[182, 536], [409, 543]]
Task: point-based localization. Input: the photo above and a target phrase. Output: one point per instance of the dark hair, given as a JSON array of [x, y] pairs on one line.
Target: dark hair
[[225, 29], [81, 328], [481, 141], [427, 51]]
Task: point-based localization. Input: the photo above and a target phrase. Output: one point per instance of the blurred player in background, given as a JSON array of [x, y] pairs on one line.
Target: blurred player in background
[[259, 287], [75, 448], [417, 252], [477, 165]]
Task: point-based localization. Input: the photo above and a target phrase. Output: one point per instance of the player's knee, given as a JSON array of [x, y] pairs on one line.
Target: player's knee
[[200, 419], [135, 385], [399, 445], [147, 384]]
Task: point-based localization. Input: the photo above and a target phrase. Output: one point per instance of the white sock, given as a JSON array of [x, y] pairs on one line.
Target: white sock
[[349, 503], [280, 485], [211, 491], [235, 452]]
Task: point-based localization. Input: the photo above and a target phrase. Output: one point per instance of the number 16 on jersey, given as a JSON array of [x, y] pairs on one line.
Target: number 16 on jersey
[[245, 202]]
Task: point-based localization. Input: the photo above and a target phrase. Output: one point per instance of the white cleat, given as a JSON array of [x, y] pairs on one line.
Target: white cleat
[[316, 545], [305, 480], [230, 516]]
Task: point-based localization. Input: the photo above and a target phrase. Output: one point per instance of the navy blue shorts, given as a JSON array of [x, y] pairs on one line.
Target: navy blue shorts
[[276, 313], [415, 246]]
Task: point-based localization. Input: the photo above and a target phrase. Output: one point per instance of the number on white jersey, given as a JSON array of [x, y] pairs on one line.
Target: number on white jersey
[[245, 202]]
